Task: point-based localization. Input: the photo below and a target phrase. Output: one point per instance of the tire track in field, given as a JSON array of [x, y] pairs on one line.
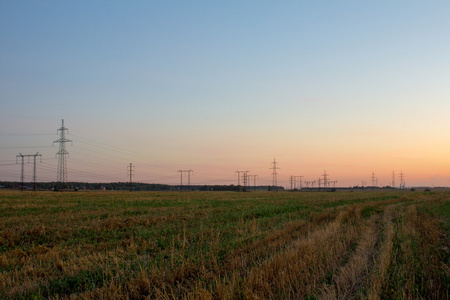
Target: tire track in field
[[384, 256], [297, 269], [260, 250], [365, 273], [349, 280]]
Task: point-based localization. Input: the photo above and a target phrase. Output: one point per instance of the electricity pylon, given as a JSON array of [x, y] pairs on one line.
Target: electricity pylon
[[393, 179], [22, 175], [61, 176], [254, 178], [130, 170], [239, 176], [325, 179], [274, 173], [181, 176], [245, 178], [402, 181]]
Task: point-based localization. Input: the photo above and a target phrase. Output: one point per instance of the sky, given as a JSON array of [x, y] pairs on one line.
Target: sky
[[349, 88]]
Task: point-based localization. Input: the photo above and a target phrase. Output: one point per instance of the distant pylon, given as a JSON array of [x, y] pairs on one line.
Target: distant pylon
[[181, 176], [61, 174], [130, 170], [325, 179], [274, 173], [402, 181], [293, 180], [246, 179], [393, 179], [34, 169], [254, 178], [239, 176], [22, 170], [22, 175], [300, 181]]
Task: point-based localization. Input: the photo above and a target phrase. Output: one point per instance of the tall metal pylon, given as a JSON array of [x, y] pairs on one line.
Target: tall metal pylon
[[254, 178], [130, 169], [325, 179], [239, 176], [245, 178], [22, 170], [402, 181], [61, 174], [34, 168], [181, 176], [274, 173], [300, 181], [310, 182], [393, 179], [293, 180]]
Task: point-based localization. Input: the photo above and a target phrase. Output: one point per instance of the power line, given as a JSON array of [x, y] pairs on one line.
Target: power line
[[24, 147], [123, 151], [24, 134]]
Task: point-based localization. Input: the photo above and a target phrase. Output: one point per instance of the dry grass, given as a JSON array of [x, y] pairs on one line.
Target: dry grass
[[381, 266], [351, 278], [224, 245]]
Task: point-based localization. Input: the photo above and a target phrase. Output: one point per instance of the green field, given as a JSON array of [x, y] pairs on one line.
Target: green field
[[224, 245]]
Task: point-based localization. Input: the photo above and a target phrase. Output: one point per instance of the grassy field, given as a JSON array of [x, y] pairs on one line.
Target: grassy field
[[225, 245]]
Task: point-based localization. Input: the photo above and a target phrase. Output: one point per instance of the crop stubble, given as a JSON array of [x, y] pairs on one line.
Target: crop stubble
[[214, 245]]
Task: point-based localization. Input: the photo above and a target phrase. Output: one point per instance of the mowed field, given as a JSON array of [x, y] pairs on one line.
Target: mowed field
[[225, 245]]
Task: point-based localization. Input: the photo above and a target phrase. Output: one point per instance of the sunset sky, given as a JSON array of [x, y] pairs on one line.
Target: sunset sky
[[350, 87]]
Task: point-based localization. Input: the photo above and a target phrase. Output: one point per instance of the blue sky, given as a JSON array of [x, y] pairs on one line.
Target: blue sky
[[353, 87]]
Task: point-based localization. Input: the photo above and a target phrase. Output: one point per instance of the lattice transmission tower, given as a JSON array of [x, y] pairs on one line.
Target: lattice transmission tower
[[61, 174], [254, 178], [22, 173], [402, 181], [274, 173], [181, 177], [130, 170]]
